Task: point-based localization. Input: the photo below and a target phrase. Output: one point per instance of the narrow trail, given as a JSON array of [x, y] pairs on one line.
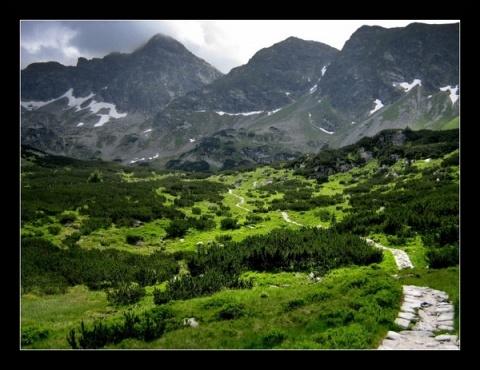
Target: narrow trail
[[424, 310], [242, 200], [401, 257], [286, 218]]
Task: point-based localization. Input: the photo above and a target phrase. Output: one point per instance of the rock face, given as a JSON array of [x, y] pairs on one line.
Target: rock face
[[273, 78], [162, 106], [375, 61], [145, 80]]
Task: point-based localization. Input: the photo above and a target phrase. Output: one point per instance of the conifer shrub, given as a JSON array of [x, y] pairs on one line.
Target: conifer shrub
[[229, 224], [442, 257], [273, 338], [67, 218], [32, 334], [125, 293], [133, 239], [293, 304], [231, 311]]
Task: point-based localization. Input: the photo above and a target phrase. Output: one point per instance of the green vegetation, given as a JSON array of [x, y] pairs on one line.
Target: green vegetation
[[171, 260]]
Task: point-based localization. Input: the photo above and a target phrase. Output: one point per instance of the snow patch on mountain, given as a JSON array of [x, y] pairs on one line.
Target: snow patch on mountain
[[248, 113], [135, 160], [274, 111], [76, 102], [328, 132], [408, 86], [453, 92], [378, 106], [220, 113]]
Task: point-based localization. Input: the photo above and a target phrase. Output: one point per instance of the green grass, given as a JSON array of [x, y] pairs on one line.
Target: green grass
[[59, 313], [282, 310]]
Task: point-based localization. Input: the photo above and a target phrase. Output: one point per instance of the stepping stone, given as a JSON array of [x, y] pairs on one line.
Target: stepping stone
[[447, 316], [402, 323], [407, 316]]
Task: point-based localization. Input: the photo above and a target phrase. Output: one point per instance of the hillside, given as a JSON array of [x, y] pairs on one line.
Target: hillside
[[174, 260], [163, 107]]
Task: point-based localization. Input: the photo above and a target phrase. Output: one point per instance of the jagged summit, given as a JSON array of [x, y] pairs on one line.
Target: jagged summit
[[162, 105], [161, 43]]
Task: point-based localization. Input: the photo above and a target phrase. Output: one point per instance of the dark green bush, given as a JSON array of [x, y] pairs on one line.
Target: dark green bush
[[229, 224], [231, 311], [31, 334], [133, 239], [273, 338], [442, 257], [67, 218], [177, 228], [125, 293]]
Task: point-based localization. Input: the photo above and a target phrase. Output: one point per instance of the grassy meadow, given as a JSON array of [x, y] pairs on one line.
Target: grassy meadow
[[121, 258]]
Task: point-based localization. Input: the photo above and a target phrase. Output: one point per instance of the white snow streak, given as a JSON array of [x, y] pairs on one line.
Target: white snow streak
[[239, 114], [274, 111], [379, 105], [73, 101], [328, 132], [247, 113], [324, 69], [453, 92], [313, 89], [408, 86]]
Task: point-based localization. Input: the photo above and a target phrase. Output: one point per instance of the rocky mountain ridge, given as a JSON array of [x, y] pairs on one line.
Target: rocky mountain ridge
[[163, 107]]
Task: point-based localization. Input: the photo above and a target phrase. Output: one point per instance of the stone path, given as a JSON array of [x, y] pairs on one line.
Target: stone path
[[424, 311], [401, 257]]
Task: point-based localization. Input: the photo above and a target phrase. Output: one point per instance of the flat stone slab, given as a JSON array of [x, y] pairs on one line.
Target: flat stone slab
[[394, 335], [446, 316], [407, 316], [445, 327], [402, 323], [429, 311], [447, 308], [421, 334], [446, 338]]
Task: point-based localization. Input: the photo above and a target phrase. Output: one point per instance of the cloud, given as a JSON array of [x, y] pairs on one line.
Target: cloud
[[46, 42], [224, 44]]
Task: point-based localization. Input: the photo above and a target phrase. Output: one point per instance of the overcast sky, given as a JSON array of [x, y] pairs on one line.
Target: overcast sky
[[224, 44]]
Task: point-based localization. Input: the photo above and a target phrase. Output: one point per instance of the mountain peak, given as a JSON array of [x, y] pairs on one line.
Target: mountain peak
[[161, 42]]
